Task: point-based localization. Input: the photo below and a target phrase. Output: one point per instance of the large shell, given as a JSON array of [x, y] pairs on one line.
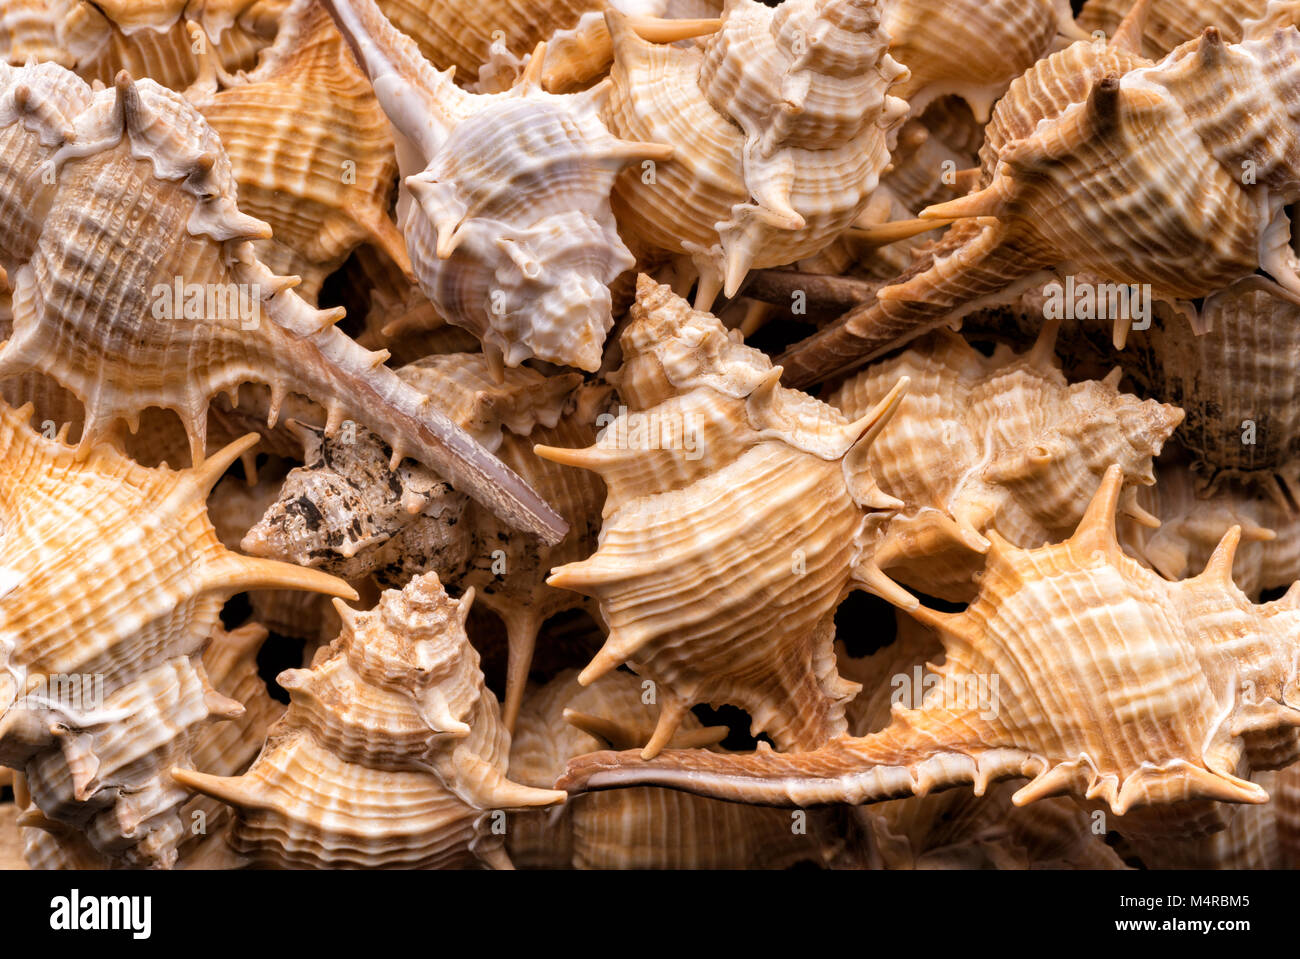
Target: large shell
[[1075, 666], [97, 39], [132, 184], [644, 828], [1191, 198], [731, 529], [127, 652], [309, 147], [1172, 22], [505, 203], [993, 443], [750, 186], [391, 753]]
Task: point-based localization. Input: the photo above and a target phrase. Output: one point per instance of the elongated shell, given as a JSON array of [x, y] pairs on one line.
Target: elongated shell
[[749, 186], [729, 498], [993, 443], [309, 147], [131, 183], [506, 199], [391, 753], [644, 828], [1050, 674], [100, 696]]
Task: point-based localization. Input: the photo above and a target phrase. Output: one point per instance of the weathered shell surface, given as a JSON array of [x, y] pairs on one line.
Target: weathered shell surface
[[1155, 698], [132, 183], [729, 498], [391, 754]]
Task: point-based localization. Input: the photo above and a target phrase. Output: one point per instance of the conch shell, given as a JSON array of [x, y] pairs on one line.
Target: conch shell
[[731, 527], [1170, 23], [391, 753], [1075, 666], [148, 598], [132, 184], [750, 186], [505, 203]]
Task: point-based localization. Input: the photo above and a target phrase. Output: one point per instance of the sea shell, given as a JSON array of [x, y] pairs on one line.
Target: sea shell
[[309, 147], [1170, 23], [100, 38], [348, 512], [1193, 199], [140, 188], [127, 652], [505, 203], [993, 443], [1156, 698], [391, 753], [749, 186], [638, 828], [731, 527]]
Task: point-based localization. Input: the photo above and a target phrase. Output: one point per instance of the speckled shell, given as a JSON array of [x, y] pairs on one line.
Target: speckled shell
[[729, 498], [1075, 634], [748, 186], [505, 203], [140, 189], [993, 443], [637, 828], [98, 764], [348, 512], [310, 149], [391, 753], [97, 39], [1192, 199], [997, 41]]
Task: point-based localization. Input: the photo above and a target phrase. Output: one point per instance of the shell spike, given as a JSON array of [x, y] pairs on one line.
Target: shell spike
[[238, 573], [1042, 355], [128, 110], [531, 77], [1128, 35], [868, 427], [231, 790], [209, 470], [672, 710], [1097, 528], [1219, 567]]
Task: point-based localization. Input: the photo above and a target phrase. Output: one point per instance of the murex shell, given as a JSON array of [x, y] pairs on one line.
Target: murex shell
[[132, 183], [1096, 677], [732, 527], [391, 754], [147, 600]]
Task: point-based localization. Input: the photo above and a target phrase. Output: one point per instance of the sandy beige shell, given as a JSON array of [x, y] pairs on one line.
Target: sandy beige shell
[[98, 762], [1172, 22], [505, 203], [98, 39], [644, 828], [310, 149], [391, 754], [131, 182], [749, 186], [729, 498], [993, 443], [1077, 705], [1192, 198], [347, 511]]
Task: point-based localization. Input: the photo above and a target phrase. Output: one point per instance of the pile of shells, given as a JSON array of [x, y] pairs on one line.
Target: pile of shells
[[649, 434]]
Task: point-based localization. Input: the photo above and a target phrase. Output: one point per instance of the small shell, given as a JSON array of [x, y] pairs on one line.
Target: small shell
[[636, 828], [98, 704], [391, 753], [999, 443], [1048, 674], [748, 186], [729, 499], [309, 147], [140, 189]]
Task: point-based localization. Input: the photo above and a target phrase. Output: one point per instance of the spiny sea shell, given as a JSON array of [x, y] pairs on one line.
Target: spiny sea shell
[[644, 828], [1172, 22], [505, 199], [131, 183], [993, 443], [1156, 698], [750, 186], [391, 753], [348, 512], [731, 527], [71, 529], [309, 147], [1192, 198]]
